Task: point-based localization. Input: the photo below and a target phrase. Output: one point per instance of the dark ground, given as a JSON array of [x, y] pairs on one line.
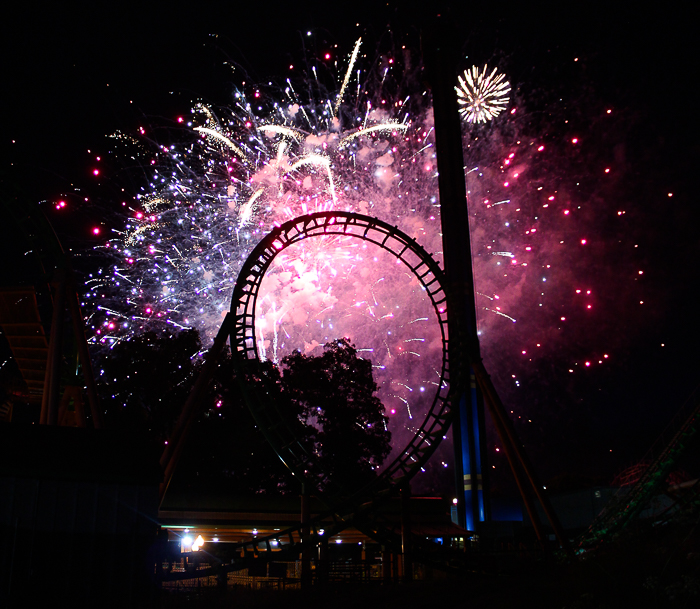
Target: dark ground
[[649, 568]]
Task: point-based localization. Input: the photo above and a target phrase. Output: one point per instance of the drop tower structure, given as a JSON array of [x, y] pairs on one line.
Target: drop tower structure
[[468, 428]]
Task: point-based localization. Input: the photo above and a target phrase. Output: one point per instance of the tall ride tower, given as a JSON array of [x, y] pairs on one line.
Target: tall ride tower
[[440, 57]]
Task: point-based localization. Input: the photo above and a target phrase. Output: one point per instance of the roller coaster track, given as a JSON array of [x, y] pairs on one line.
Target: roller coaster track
[[625, 506], [244, 345], [345, 507]]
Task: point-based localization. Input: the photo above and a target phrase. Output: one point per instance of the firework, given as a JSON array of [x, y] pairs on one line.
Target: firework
[[235, 172], [481, 97], [238, 171]]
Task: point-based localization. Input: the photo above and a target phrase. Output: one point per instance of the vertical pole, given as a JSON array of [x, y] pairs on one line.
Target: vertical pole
[[84, 355], [440, 58], [441, 63], [172, 452], [305, 538], [406, 532], [52, 381]]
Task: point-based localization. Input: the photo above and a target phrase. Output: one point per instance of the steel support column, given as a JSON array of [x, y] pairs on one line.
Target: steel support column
[[440, 58]]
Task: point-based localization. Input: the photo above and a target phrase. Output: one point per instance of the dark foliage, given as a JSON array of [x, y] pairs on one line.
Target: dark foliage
[[329, 399], [226, 448], [334, 396], [143, 382]]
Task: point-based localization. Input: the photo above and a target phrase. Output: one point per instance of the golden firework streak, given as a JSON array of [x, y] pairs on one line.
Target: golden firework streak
[[353, 58], [133, 236], [321, 161], [297, 135], [247, 210], [381, 127], [224, 139]]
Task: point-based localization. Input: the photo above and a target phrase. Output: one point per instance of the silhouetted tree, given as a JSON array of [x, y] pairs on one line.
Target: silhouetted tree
[[144, 381], [329, 399], [335, 396]]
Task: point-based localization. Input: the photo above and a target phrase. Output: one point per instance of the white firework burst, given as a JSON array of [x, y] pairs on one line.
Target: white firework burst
[[481, 97]]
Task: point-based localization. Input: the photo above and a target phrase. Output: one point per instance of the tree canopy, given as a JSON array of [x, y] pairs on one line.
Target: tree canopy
[[330, 398], [334, 394]]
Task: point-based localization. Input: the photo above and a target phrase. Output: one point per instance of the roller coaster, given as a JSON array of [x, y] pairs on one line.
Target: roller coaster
[[346, 506], [678, 437], [358, 508]]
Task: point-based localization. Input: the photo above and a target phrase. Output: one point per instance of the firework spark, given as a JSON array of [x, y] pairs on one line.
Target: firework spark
[[481, 97], [237, 171], [236, 174]]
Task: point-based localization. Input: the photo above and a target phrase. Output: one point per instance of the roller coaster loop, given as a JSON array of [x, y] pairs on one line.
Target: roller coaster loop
[[244, 345]]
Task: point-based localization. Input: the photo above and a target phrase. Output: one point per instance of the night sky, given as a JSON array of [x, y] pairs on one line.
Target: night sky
[[72, 76]]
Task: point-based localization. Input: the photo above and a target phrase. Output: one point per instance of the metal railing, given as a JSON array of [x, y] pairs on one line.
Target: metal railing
[[662, 456]]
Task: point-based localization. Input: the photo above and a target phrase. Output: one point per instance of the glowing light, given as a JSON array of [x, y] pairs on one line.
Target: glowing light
[[353, 59], [222, 138], [239, 171], [482, 97], [198, 543]]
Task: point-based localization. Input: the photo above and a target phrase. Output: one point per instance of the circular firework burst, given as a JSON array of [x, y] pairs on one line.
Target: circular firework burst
[[481, 97]]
